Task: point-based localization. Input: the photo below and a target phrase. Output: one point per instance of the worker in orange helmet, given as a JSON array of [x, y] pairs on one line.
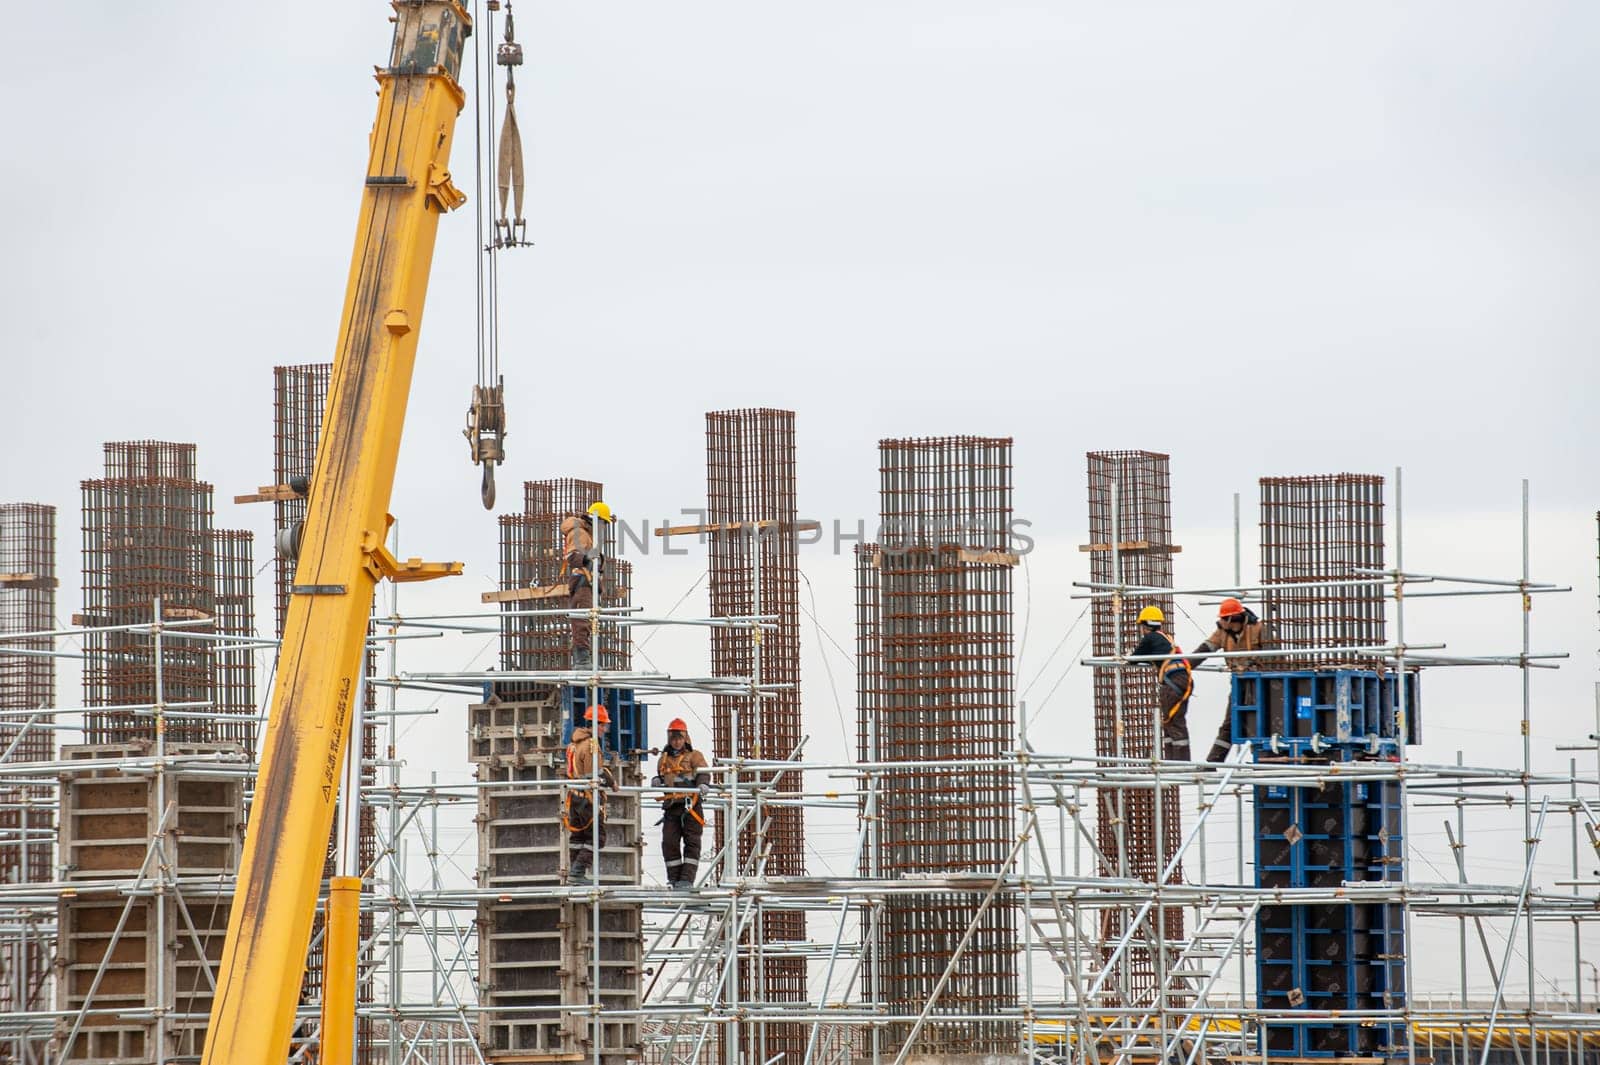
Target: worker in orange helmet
[[1238, 629], [682, 769], [1174, 683], [584, 812]]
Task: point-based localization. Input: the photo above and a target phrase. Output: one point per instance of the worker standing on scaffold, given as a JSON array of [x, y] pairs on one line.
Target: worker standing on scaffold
[[1238, 629], [581, 564], [1174, 684], [583, 811], [683, 820]]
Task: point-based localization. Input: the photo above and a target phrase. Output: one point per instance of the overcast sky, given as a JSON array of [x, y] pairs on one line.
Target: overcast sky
[[1267, 239]]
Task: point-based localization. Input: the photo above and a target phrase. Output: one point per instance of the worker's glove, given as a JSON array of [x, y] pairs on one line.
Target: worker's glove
[[704, 790], [657, 782]]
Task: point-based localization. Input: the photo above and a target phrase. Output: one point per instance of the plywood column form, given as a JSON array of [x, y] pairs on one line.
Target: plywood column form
[[750, 490], [1140, 529], [142, 963], [937, 686], [1316, 530], [536, 956], [27, 684]]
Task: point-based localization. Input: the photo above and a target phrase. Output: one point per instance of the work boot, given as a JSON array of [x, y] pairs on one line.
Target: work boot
[[682, 887], [580, 865], [582, 658]]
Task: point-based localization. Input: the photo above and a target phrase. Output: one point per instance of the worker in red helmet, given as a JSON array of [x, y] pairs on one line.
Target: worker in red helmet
[[584, 810], [1238, 629], [682, 770]]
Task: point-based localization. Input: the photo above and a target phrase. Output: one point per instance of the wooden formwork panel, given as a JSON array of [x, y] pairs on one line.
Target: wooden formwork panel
[[127, 964], [522, 841], [536, 961], [109, 820], [109, 817], [518, 731]]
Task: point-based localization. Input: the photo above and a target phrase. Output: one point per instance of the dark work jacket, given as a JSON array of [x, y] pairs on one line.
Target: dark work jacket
[[1174, 671]]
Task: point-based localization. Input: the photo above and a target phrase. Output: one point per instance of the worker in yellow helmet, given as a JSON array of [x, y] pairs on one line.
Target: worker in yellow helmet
[[1238, 629], [1174, 683], [581, 564]]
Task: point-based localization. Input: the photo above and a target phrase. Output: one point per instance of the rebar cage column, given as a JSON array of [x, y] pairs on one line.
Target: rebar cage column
[[1131, 545], [27, 686], [935, 628], [751, 503]]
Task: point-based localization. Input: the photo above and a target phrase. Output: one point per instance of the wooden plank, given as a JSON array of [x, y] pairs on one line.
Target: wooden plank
[[168, 613], [270, 493], [26, 580], [998, 558], [735, 526], [518, 595], [1143, 545]]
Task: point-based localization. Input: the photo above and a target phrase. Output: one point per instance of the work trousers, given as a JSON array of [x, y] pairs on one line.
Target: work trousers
[[582, 598], [580, 842], [681, 832], [1174, 703]]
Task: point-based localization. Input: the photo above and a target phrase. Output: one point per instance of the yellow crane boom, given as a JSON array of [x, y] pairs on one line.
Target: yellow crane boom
[[342, 554]]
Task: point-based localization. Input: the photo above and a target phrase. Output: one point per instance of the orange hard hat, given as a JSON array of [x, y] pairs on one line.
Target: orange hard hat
[[677, 724], [597, 713], [1229, 608]]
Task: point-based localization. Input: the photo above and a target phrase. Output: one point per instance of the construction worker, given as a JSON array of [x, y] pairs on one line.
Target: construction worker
[[581, 564], [1174, 684], [683, 821], [1238, 629], [584, 809]]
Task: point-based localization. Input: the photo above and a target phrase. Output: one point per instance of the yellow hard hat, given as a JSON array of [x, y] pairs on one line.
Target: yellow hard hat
[[600, 510], [1152, 615]]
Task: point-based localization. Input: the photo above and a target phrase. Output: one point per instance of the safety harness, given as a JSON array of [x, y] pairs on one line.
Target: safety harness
[[575, 798], [1172, 665], [671, 767]]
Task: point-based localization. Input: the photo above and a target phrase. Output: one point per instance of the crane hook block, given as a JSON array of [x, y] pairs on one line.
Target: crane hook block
[[485, 433]]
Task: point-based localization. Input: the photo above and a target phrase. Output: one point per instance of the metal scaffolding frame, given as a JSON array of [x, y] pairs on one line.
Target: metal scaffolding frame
[[1067, 1009]]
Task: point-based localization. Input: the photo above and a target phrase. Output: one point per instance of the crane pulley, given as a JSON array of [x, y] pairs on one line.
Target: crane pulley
[[502, 156]]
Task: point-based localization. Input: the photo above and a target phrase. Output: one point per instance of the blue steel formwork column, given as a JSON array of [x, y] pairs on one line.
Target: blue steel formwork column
[[1322, 552], [1329, 958]]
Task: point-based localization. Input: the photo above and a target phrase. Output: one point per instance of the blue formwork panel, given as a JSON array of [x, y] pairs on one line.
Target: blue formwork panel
[[629, 731], [1329, 957], [1325, 712], [1323, 837]]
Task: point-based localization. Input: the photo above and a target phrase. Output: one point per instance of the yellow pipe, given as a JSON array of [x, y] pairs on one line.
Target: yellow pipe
[[341, 942]]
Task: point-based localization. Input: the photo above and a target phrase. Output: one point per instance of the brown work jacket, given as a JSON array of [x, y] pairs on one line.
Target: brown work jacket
[[581, 753], [576, 543], [1255, 636], [673, 766]]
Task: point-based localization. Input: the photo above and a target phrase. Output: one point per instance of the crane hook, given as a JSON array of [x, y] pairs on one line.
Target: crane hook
[[485, 433]]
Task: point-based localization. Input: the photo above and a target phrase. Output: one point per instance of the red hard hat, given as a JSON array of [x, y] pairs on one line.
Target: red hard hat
[[597, 713], [1229, 608], [677, 724]]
